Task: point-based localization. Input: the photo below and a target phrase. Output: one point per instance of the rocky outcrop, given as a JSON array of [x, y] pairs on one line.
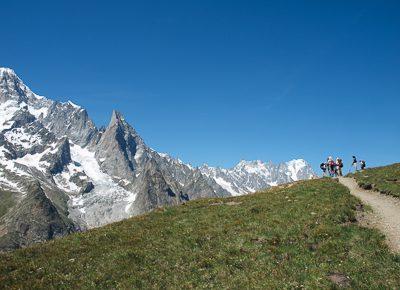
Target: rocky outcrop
[[154, 190], [33, 219], [11, 87], [68, 119], [59, 158], [22, 118]]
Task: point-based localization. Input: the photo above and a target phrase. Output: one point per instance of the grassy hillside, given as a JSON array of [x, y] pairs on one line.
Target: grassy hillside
[[385, 179], [302, 235]]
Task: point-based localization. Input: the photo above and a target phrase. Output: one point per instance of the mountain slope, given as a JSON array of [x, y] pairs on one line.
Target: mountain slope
[[36, 219], [92, 177], [298, 236]]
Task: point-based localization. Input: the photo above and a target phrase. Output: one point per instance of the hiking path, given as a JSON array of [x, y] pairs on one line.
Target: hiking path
[[386, 211]]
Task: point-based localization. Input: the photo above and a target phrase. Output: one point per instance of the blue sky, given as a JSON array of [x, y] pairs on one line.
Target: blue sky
[[219, 81]]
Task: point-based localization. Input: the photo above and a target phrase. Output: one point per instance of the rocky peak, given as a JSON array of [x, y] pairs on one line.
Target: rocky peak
[[68, 119], [244, 164], [118, 122], [116, 118], [6, 72], [11, 87], [118, 146]]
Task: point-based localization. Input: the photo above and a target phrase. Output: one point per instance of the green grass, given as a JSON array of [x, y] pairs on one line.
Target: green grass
[[290, 237], [384, 179]]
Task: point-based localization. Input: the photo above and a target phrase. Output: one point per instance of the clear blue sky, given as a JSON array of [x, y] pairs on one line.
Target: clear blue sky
[[219, 81]]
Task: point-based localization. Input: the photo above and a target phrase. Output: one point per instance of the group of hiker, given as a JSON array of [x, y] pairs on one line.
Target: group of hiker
[[334, 168]]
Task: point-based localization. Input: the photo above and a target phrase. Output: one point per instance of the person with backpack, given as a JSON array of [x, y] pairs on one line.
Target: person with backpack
[[323, 168], [339, 166], [354, 164], [331, 166]]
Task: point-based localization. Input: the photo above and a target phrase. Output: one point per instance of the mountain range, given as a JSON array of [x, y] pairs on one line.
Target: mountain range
[[59, 173]]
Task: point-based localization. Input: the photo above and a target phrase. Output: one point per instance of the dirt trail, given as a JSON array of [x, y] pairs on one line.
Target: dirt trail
[[386, 211]]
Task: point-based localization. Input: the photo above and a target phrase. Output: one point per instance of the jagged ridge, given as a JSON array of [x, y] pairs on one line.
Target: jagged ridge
[[92, 177]]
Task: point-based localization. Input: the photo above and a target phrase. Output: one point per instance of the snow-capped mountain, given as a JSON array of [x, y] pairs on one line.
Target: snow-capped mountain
[[250, 176], [60, 174]]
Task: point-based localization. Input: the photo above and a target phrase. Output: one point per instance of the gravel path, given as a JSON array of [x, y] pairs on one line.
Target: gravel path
[[386, 211]]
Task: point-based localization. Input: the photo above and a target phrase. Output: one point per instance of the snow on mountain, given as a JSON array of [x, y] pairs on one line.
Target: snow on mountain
[[53, 159], [107, 201], [86, 177], [250, 176], [299, 169]]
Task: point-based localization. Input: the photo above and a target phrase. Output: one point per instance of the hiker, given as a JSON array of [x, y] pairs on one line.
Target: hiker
[[354, 164], [323, 168], [362, 164], [331, 166], [339, 166]]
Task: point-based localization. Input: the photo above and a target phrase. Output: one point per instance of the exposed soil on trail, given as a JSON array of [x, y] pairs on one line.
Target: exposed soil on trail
[[385, 215]]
